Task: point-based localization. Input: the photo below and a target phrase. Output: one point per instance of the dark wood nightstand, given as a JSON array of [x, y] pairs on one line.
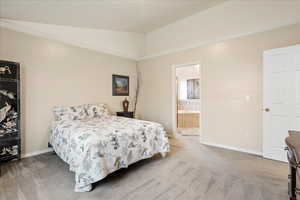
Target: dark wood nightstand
[[125, 114]]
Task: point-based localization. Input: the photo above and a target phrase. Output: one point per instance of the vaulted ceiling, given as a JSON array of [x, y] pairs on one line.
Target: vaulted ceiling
[[141, 29], [123, 15]]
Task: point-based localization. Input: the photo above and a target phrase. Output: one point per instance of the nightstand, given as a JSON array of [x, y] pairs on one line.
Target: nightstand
[[125, 114]]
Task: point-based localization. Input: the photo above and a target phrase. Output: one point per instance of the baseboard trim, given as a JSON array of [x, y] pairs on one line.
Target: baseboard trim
[[35, 153], [232, 148]]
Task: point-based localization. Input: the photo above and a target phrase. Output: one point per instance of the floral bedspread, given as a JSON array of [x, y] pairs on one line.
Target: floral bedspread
[[94, 148]]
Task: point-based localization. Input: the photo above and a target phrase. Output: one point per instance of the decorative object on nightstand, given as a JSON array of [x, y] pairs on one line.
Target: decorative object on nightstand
[[10, 139], [125, 104], [125, 114]]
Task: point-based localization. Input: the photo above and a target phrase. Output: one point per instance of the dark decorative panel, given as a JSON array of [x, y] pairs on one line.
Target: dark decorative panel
[[9, 70], [10, 139]]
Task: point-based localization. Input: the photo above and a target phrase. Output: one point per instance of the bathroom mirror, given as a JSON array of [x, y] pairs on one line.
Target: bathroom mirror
[[193, 89], [189, 89]]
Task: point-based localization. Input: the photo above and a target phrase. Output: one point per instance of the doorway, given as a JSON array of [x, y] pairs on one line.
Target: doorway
[[187, 100]]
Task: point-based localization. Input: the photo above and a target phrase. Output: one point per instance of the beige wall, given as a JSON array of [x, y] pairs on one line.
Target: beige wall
[[231, 73], [57, 74]]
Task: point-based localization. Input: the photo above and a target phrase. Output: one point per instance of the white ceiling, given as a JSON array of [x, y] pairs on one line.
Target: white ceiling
[[140, 16]]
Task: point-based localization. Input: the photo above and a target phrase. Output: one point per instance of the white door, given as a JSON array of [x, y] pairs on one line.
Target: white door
[[281, 95]]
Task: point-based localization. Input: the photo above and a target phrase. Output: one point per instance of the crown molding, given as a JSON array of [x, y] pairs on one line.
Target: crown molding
[[205, 43], [11, 24]]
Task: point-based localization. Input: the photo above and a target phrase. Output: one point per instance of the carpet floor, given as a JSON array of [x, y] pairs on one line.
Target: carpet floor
[[191, 171]]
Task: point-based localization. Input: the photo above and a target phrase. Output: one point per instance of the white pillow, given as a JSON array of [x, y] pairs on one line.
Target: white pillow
[[70, 113], [96, 110]]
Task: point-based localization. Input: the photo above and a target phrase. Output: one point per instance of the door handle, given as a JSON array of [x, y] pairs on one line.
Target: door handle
[[267, 110]]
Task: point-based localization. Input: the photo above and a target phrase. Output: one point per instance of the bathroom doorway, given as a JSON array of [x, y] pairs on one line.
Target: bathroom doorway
[[188, 99]]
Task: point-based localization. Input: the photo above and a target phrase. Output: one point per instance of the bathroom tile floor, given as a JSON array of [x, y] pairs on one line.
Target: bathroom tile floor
[[188, 131]]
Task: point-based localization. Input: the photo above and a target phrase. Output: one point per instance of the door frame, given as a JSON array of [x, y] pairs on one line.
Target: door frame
[[174, 96]]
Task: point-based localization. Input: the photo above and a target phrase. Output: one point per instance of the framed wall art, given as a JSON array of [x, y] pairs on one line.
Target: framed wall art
[[120, 85]]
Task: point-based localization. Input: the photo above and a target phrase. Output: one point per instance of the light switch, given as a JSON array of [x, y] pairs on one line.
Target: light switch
[[247, 98]]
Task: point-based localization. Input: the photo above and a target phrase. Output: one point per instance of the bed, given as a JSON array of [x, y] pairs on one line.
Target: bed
[[95, 143]]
